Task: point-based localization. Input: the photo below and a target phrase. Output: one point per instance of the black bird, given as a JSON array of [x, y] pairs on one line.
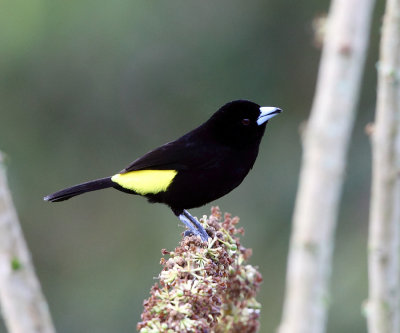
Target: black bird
[[199, 167]]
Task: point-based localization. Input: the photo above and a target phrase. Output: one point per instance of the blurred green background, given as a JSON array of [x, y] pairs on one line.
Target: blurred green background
[[88, 86]]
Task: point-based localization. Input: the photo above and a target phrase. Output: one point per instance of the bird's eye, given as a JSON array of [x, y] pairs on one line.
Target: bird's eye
[[246, 122]]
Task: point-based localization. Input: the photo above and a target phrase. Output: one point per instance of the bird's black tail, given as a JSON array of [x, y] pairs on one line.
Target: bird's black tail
[[79, 189]]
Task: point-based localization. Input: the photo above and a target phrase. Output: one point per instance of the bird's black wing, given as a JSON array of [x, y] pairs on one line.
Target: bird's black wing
[[161, 158], [188, 152]]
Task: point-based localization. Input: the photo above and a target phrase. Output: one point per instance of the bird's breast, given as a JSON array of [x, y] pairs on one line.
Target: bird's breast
[[195, 187]]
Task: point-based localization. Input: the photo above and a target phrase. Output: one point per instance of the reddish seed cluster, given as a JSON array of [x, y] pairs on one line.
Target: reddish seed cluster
[[205, 286]]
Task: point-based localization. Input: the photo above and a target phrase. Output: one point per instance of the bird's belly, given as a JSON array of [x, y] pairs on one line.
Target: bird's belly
[[196, 188]]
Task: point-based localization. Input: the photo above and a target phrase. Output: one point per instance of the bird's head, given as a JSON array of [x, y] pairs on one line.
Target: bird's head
[[241, 122]]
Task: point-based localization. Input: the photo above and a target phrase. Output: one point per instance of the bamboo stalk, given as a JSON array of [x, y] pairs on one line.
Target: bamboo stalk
[[325, 145], [23, 305], [383, 311]]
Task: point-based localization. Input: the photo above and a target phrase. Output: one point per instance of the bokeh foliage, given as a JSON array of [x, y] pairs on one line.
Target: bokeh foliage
[[88, 86]]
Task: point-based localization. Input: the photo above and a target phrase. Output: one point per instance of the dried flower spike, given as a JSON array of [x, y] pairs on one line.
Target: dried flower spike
[[205, 286]]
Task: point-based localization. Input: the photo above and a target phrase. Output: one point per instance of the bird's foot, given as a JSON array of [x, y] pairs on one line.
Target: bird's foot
[[199, 228], [194, 226], [188, 233]]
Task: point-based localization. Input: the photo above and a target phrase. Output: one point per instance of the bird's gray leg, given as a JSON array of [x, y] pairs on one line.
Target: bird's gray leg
[[192, 229], [200, 230]]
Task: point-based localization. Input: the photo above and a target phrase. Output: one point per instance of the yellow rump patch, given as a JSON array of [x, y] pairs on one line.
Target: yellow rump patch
[[145, 181]]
